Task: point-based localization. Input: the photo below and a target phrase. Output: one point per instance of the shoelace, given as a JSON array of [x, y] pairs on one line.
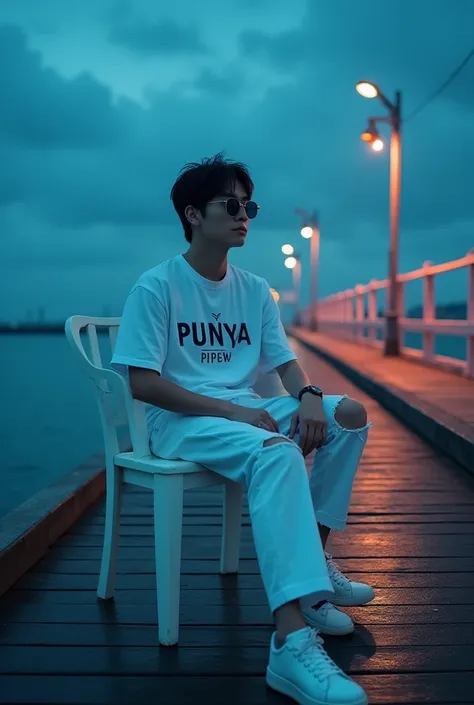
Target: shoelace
[[311, 654], [335, 573]]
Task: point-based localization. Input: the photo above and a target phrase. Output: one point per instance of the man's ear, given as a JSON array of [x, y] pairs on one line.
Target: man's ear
[[192, 215]]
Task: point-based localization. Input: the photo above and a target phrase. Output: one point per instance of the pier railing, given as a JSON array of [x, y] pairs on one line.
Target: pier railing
[[355, 314]]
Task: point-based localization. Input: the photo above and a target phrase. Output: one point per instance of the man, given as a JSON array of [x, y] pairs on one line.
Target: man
[[195, 331]]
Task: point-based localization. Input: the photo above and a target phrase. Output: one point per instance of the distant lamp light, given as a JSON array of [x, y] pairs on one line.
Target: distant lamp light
[[307, 231], [275, 295], [287, 249], [290, 262], [377, 145], [367, 89]]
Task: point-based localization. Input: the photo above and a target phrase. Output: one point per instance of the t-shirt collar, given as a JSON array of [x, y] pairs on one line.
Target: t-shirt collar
[[199, 279]]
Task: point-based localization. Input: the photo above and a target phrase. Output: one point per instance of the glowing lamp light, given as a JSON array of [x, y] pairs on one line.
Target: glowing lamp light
[[287, 249], [307, 231], [367, 89], [366, 136], [290, 262], [377, 145], [275, 295]]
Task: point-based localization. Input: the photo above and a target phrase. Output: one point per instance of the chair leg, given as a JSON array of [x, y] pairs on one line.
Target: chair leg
[[168, 517], [113, 504], [231, 527]]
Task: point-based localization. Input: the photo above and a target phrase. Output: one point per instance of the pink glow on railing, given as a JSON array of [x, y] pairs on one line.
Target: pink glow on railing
[[344, 314]]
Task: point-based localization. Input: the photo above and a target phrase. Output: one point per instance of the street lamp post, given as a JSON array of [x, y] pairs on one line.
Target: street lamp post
[[310, 230], [293, 262], [370, 90]]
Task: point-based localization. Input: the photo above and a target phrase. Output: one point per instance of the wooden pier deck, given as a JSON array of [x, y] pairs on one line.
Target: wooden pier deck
[[410, 535], [435, 402]]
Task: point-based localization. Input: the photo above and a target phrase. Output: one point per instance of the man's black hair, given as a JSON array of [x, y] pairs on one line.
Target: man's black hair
[[200, 182]]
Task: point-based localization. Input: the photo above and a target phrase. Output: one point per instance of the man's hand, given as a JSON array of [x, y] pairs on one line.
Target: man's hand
[[311, 422], [255, 417]]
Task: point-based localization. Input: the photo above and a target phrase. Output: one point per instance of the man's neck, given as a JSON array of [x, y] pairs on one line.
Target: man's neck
[[211, 265]]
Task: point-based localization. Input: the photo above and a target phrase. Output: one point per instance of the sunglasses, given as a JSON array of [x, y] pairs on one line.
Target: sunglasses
[[233, 206]]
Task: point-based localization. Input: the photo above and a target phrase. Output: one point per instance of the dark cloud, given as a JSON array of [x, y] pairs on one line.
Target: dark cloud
[[228, 83], [39, 109], [156, 37], [284, 52], [409, 45], [69, 149]]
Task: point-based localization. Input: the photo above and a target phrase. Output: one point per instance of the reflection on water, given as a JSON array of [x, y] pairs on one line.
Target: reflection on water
[[449, 345]]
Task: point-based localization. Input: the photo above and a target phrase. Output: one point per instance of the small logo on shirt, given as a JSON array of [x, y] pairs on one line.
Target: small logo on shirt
[[216, 316]]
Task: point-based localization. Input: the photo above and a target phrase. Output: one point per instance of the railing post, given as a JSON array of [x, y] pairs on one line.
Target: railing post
[[338, 314], [359, 313], [401, 313], [372, 311], [349, 313], [428, 312], [470, 318]]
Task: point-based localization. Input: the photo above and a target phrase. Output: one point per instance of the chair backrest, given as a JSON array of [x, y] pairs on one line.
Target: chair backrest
[[117, 408]]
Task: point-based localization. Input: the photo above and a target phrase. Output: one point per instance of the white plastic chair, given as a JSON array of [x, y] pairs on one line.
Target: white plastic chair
[[168, 480]]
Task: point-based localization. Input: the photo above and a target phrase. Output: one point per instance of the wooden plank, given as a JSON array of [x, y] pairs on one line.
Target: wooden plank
[[35, 581], [372, 546], [418, 497], [233, 595], [364, 508], [241, 660], [112, 612], [131, 524], [383, 689], [67, 565], [228, 635], [215, 529]]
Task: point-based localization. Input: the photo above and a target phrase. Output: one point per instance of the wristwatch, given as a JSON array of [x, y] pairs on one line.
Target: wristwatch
[[310, 389]]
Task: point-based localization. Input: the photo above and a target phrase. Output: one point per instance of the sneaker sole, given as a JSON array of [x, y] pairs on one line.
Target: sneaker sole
[[342, 631], [281, 685]]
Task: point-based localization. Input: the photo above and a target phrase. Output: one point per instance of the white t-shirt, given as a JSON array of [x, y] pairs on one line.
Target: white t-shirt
[[209, 337]]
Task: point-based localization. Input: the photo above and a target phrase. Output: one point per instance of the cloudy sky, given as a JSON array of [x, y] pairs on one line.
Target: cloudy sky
[[103, 102]]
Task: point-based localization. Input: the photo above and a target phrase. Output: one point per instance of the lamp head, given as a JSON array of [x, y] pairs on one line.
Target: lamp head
[[367, 89]]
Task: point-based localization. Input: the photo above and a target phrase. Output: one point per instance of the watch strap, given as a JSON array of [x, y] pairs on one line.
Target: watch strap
[[310, 389]]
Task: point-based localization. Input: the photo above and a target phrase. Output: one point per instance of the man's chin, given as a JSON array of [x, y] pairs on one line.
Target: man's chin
[[239, 241]]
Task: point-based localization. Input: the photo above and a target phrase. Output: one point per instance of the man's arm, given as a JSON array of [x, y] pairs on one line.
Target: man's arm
[[293, 378], [148, 386]]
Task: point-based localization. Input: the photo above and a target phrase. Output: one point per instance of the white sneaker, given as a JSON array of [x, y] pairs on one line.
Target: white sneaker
[[302, 670], [328, 620], [348, 593]]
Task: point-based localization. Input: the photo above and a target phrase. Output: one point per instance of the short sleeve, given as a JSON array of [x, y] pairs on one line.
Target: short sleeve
[[275, 350], [142, 339]]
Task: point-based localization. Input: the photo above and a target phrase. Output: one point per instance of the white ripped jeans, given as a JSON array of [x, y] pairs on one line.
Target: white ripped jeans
[[283, 501]]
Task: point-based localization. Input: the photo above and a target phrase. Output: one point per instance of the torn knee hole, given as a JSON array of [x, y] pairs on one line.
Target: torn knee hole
[[351, 414]]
